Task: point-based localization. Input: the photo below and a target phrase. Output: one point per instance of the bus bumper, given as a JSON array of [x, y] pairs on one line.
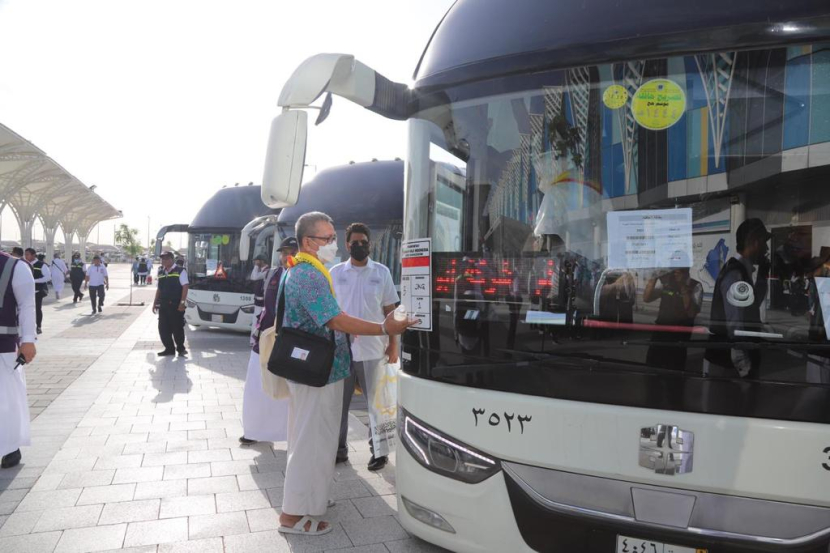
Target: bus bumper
[[480, 514]]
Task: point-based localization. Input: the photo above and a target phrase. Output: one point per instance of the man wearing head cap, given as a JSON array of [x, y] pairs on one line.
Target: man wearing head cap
[[265, 419], [258, 275], [739, 292], [97, 280], [170, 303], [59, 271]]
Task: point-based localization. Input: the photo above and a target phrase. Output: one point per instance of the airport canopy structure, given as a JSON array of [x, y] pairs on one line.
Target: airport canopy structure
[[36, 187]]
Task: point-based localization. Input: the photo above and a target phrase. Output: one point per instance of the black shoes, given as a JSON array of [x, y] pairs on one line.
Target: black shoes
[[166, 353], [245, 441], [182, 352], [99, 309], [11, 460], [94, 312], [377, 463], [341, 459], [39, 331]]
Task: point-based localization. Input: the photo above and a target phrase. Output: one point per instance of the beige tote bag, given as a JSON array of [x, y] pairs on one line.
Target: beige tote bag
[[273, 385]]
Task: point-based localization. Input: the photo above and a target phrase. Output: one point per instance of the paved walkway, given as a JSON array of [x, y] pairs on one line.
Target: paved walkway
[[137, 454]]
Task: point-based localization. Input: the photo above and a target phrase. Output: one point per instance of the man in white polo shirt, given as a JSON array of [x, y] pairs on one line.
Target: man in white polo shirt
[[364, 289], [97, 279]]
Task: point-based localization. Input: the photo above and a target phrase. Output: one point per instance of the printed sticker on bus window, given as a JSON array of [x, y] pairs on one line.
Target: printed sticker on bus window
[[615, 96], [658, 104]]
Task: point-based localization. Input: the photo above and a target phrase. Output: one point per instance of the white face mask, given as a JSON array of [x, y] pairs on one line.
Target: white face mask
[[327, 253]]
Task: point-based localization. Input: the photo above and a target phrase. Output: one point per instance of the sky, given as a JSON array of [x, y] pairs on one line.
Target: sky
[[161, 103]]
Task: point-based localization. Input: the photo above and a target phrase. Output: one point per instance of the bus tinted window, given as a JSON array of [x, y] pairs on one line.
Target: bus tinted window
[[666, 216]]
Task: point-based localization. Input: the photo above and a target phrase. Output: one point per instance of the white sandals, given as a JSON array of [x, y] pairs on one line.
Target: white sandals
[[313, 528]]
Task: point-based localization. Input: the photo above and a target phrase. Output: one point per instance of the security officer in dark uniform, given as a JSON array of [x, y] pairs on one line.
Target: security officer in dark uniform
[[170, 304], [77, 274], [42, 276]]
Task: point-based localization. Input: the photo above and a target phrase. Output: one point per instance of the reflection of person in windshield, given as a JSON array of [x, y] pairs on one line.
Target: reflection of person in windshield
[[738, 296], [818, 362], [617, 298], [470, 309], [680, 300]]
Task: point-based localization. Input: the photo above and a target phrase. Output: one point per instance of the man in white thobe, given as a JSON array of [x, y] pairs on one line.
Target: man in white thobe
[[364, 289], [17, 339], [58, 271]]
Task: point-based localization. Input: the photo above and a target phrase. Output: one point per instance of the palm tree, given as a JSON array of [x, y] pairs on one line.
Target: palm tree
[[127, 238]]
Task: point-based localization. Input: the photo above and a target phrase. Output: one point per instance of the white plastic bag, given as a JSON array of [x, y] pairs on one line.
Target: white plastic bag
[[382, 397]]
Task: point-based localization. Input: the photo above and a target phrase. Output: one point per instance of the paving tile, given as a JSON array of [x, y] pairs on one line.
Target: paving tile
[[20, 523], [68, 517], [87, 479], [142, 549], [376, 506], [376, 548], [48, 482], [224, 468], [257, 481], [35, 543], [223, 524], [261, 520], [157, 531], [259, 542], [336, 539], [374, 530], [160, 490], [130, 511], [201, 486], [107, 494], [209, 456], [188, 506], [176, 472], [187, 445], [12, 495], [162, 459], [143, 474], [120, 462], [39, 501], [241, 501], [342, 511], [209, 545], [98, 538], [70, 465], [144, 447], [349, 489]]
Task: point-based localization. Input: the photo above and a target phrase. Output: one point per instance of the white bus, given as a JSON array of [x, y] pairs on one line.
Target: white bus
[[609, 362], [221, 292]]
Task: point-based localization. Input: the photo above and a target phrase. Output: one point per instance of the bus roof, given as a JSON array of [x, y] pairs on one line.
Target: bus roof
[[370, 192], [511, 35], [230, 209]]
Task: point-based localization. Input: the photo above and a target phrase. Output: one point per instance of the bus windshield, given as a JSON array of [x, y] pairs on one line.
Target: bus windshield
[[214, 258], [668, 218]]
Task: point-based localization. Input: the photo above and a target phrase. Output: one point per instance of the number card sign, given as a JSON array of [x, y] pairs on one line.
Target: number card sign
[[416, 281], [652, 238]]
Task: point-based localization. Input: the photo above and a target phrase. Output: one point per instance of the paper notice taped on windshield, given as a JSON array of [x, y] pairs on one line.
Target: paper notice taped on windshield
[[646, 239], [823, 287], [416, 281]]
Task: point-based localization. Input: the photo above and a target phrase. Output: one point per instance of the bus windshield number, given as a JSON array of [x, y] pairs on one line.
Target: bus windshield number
[[826, 452]]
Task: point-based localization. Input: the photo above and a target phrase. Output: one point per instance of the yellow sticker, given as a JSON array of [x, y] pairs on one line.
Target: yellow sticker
[[226, 239], [658, 104], [615, 96]]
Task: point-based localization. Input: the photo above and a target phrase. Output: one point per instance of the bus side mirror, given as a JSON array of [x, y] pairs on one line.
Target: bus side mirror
[[285, 159]]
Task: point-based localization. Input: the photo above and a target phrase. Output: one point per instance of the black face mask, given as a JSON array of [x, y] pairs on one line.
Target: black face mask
[[359, 252]]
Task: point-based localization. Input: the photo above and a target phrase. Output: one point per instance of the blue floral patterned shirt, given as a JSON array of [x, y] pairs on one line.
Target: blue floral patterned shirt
[[309, 305]]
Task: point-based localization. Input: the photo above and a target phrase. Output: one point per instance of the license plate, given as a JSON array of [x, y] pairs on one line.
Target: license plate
[[216, 318], [627, 544]]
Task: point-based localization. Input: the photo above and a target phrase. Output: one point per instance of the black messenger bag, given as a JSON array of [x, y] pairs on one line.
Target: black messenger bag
[[300, 356]]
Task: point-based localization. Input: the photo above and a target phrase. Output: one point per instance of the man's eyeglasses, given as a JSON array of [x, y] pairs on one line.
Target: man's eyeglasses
[[328, 239]]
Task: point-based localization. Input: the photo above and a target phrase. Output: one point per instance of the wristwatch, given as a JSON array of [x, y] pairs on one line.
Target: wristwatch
[[182, 302], [383, 329]]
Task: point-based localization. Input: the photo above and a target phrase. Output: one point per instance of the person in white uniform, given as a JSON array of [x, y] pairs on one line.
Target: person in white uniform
[[265, 419], [364, 288], [17, 339], [59, 271], [97, 280]]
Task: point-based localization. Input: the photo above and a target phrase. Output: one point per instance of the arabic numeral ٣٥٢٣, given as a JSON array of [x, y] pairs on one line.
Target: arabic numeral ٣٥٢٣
[[495, 419]]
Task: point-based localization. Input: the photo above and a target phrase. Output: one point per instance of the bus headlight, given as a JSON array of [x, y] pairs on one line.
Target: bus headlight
[[443, 455], [247, 309], [190, 303]]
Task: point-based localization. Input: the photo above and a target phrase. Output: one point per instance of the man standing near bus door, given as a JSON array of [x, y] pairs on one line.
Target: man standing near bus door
[[17, 326], [170, 303], [42, 277], [258, 275], [58, 270], [265, 419], [364, 289], [737, 300], [97, 280], [77, 274]]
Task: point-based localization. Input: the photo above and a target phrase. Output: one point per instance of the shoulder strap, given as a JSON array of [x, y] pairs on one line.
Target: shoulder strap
[[5, 277]]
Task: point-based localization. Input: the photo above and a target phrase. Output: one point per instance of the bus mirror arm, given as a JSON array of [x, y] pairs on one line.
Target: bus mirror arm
[[344, 76]]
